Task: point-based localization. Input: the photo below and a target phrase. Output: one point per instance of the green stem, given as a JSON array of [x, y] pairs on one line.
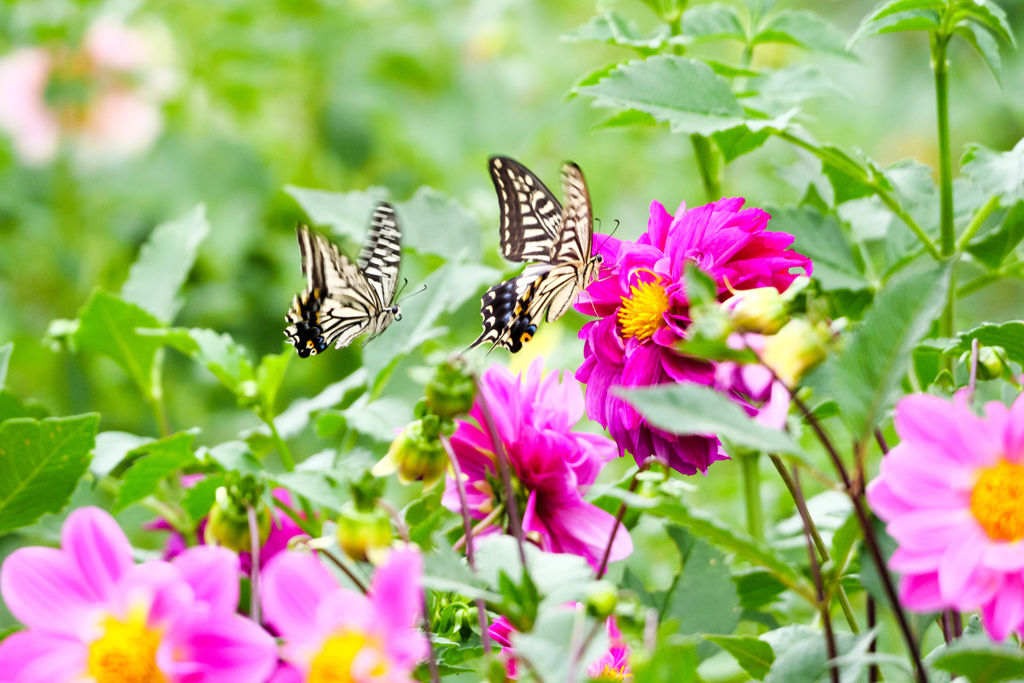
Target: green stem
[[940, 65], [979, 218], [288, 462], [749, 463], [297, 518], [708, 163], [977, 283]]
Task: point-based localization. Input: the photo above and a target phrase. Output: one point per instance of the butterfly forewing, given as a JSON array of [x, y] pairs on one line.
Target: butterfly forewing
[[531, 216], [382, 253], [576, 237]]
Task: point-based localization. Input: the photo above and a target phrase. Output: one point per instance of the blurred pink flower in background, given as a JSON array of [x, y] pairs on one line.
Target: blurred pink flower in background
[[952, 493], [332, 633], [94, 615], [613, 665], [104, 97]]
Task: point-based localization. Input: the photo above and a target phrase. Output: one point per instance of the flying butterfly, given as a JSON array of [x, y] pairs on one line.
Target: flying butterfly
[[556, 243], [343, 300]]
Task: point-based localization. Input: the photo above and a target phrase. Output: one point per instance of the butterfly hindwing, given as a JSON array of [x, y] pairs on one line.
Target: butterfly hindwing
[[342, 300], [531, 216]]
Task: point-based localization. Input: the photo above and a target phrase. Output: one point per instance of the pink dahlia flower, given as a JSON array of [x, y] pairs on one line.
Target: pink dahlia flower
[[639, 298], [24, 115], [331, 633], [552, 465], [282, 529], [952, 493], [92, 614], [613, 665]]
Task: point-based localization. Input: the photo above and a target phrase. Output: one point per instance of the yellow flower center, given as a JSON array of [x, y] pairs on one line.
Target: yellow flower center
[[126, 653], [998, 501], [333, 664], [610, 673], [642, 312]]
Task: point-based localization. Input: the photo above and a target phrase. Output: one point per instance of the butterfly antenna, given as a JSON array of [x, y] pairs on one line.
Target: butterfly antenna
[[405, 281], [418, 291], [609, 234]]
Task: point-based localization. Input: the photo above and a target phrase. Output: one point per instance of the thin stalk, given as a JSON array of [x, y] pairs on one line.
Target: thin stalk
[[819, 542], [826, 618], [988, 278], [254, 563], [506, 476], [288, 462], [467, 524], [872, 617], [979, 219], [359, 582], [947, 630], [481, 525], [296, 517], [615, 528], [749, 466], [940, 66], [972, 382], [577, 653], [958, 624], [708, 164]]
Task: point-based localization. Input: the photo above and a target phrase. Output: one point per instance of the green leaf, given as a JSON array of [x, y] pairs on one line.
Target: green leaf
[[626, 117], [674, 659], [738, 141], [703, 598], [296, 417], [41, 462], [164, 263], [713, 21], [5, 360], [158, 459], [1009, 335], [986, 45], [985, 13], [755, 656], [993, 247], [348, 213], [433, 223], [757, 553], [805, 657], [819, 237], [11, 407], [982, 661], [683, 92], [694, 409], [448, 287], [547, 646], [865, 378], [269, 377], [848, 533], [317, 487], [900, 15], [844, 186], [996, 173], [778, 91], [615, 29], [107, 325], [198, 499], [218, 353], [757, 588], [111, 450], [803, 28]]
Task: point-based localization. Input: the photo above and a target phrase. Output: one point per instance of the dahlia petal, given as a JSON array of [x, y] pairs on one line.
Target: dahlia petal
[[1004, 613], [904, 561], [658, 224], [949, 428], [1013, 437], [217, 649], [396, 591], [99, 547], [44, 589], [212, 572], [41, 657], [884, 502], [156, 587], [286, 673], [920, 592], [959, 562], [294, 583], [500, 631], [925, 479], [1005, 557], [579, 528], [345, 609], [982, 586], [931, 529]]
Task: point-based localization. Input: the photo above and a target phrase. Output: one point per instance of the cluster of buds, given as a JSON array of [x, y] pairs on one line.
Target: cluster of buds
[[228, 522], [417, 453]]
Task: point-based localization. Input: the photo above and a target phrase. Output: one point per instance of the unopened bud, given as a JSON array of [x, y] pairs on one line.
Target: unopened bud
[[228, 522], [795, 349], [761, 310], [416, 454], [364, 535], [992, 361], [601, 600], [452, 390]]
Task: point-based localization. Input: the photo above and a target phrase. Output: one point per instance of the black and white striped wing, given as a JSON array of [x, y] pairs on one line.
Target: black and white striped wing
[[338, 302], [553, 293], [531, 217], [576, 239], [504, 307], [382, 253]]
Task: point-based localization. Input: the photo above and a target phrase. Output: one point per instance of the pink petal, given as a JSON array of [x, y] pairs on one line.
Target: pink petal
[[44, 589], [212, 571], [39, 657], [158, 588], [905, 561], [1006, 557], [396, 591], [1004, 614], [1013, 437], [217, 649], [931, 529], [343, 609], [99, 547], [884, 503], [286, 673], [920, 592], [949, 428], [294, 583], [959, 562]]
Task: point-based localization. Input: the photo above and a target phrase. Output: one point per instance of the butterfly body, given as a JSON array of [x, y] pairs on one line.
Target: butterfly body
[[555, 241], [344, 300]]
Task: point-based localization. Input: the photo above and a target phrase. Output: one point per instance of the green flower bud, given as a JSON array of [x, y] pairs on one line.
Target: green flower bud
[[992, 362], [416, 455], [228, 522], [601, 600], [761, 310], [364, 535], [795, 349], [452, 390]]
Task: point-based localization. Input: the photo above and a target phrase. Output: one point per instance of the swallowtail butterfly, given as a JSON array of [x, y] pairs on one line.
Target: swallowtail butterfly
[[343, 300], [556, 243]]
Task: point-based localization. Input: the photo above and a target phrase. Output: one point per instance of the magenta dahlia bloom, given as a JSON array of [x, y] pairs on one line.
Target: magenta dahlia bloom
[[552, 465], [94, 615], [639, 298], [331, 633], [952, 493], [613, 665]]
